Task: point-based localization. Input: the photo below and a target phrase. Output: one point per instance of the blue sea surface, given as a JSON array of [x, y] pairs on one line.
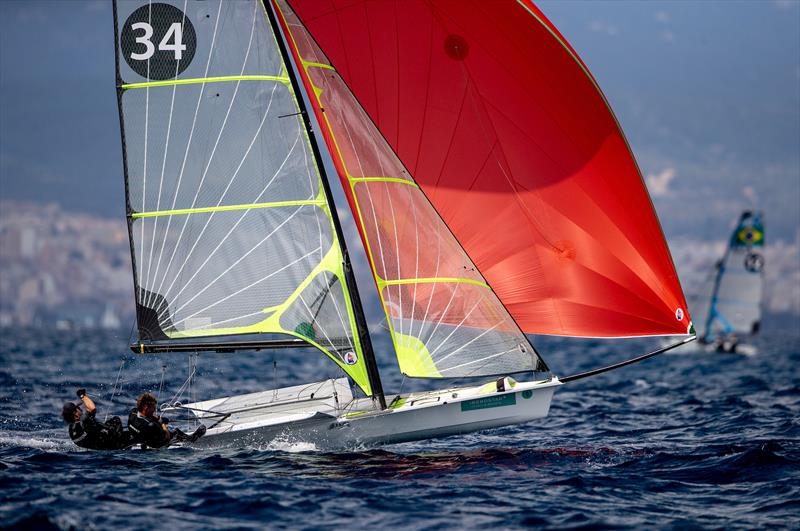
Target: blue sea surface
[[681, 441]]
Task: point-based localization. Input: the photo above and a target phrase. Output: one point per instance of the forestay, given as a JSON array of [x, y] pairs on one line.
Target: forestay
[[230, 226], [444, 318]]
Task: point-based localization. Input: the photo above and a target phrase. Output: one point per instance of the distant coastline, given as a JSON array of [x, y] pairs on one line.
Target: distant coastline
[[72, 270]]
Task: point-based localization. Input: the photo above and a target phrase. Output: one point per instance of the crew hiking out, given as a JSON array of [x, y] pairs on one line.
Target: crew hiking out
[[87, 432], [153, 432]]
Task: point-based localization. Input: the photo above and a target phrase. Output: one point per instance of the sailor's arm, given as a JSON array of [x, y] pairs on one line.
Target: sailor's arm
[[87, 402]]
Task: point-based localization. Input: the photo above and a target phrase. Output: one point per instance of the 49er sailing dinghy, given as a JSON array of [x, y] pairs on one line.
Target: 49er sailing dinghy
[[492, 188]]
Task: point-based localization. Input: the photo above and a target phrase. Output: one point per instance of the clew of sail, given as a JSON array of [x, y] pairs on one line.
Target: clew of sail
[[230, 226], [444, 318], [734, 306], [509, 136]]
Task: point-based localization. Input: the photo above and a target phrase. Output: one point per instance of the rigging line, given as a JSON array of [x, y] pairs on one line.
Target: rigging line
[[163, 167], [234, 264], [181, 389], [455, 329], [467, 343], [114, 389], [272, 274], [208, 220], [631, 361], [319, 300], [189, 142], [161, 385]]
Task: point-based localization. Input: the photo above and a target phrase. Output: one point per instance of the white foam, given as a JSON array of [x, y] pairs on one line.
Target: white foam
[[33, 440], [285, 444]]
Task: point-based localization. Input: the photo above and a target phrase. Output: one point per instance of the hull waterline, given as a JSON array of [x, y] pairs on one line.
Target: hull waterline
[[410, 418]]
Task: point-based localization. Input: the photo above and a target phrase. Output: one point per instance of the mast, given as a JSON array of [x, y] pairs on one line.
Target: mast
[[358, 311], [712, 305]]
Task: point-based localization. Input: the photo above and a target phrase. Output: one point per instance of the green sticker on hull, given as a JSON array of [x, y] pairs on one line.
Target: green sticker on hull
[[489, 402]]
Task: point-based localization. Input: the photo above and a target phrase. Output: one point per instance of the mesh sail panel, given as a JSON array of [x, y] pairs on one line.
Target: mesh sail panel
[[230, 227], [317, 313], [444, 319]]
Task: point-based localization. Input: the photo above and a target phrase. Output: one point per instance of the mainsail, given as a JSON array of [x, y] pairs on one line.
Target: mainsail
[[231, 226], [507, 133], [734, 304], [445, 320]]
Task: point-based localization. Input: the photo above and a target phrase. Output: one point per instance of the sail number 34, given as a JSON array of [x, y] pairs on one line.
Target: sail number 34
[[175, 32], [157, 41]]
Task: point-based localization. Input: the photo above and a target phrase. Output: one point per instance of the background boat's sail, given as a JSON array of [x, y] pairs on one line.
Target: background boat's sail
[[231, 231], [508, 134], [444, 319], [735, 302]]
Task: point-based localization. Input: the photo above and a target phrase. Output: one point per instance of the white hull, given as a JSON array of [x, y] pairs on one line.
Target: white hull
[[331, 419]]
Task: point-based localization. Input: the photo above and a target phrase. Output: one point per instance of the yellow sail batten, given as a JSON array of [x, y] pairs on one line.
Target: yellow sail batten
[[382, 282], [194, 81], [318, 65], [276, 204], [382, 180]]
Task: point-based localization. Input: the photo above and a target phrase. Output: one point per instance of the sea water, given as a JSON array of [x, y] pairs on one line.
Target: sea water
[[680, 441]]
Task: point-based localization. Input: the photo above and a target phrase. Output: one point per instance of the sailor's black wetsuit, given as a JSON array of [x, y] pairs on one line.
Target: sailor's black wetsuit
[[148, 432], [94, 435]]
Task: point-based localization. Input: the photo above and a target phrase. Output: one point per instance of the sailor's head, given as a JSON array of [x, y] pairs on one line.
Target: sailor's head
[[146, 404], [71, 412]]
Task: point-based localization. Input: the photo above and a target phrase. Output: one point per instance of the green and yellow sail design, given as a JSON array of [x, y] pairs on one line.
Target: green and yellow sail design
[[445, 320], [231, 230]]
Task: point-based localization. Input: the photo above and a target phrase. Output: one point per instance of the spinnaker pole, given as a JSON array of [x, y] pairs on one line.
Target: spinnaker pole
[[350, 281]]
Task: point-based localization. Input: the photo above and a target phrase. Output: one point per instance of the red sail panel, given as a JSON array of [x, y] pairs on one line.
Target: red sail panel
[[505, 130]]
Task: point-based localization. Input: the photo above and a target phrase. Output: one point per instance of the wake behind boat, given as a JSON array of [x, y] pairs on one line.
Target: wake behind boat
[[489, 204]]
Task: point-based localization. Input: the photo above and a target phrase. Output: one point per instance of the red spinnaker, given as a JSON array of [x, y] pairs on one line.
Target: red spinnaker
[[506, 131]]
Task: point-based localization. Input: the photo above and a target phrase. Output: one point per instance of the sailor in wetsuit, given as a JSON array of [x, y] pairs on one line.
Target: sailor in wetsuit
[[87, 432], [151, 431]]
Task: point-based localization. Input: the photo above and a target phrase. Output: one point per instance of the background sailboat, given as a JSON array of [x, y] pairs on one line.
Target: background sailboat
[[728, 310], [493, 190]]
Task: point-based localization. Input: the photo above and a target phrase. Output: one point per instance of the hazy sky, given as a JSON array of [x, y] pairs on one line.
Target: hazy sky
[[708, 94]]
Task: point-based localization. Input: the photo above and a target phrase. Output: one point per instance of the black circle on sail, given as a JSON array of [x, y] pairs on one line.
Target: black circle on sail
[[754, 262], [158, 41]]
